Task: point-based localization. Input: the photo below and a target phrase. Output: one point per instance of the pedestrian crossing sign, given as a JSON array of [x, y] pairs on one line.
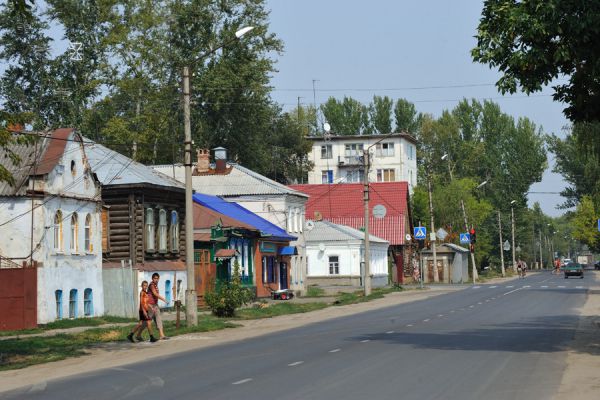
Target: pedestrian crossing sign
[[465, 238], [420, 232]]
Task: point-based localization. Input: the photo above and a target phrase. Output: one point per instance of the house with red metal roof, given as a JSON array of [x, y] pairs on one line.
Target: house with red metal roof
[[343, 204]]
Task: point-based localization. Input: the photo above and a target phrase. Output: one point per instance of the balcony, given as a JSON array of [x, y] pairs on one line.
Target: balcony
[[350, 161]]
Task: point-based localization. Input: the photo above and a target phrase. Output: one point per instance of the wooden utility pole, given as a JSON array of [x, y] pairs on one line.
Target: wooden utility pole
[[514, 260], [541, 253], [367, 280], [433, 249], [191, 300], [501, 245]]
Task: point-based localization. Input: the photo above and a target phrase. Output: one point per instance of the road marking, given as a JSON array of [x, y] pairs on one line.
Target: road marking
[[476, 287], [440, 315], [426, 320], [493, 287], [487, 301], [409, 325], [493, 298], [512, 291], [365, 341], [510, 287], [561, 287], [544, 287], [389, 332], [479, 302], [471, 306], [526, 287], [334, 350], [242, 381], [295, 363], [578, 287], [452, 311], [462, 309]]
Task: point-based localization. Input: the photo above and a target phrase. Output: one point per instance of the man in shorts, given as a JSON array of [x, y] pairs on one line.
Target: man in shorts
[[153, 298]]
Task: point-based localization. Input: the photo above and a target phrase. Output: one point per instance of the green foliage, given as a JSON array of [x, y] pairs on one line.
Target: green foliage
[[585, 227], [407, 119], [380, 113], [275, 310], [314, 291], [534, 42], [346, 117], [229, 296]]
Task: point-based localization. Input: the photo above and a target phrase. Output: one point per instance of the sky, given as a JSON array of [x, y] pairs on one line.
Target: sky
[[415, 50]]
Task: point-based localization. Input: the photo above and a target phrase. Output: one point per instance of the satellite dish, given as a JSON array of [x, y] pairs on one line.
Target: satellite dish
[[326, 127], [321, 246], [310, 225], [379, 211]]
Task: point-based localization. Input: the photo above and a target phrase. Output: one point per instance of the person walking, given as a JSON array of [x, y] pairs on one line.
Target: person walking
[[145, 315], [153, 298]]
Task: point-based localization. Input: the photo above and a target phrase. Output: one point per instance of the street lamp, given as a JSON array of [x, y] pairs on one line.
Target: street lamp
[[191, 298]]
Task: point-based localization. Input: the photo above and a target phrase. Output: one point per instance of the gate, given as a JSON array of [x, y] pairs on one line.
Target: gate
[[18, 298]]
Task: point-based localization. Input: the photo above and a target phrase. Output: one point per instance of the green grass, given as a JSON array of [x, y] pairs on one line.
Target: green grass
[[274, 310], [359, 297], [314, 291], [23, 352], [70, 323]]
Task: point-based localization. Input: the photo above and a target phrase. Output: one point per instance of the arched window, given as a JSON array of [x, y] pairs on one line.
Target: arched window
[[89, 247], [150, 229], [58, 298], [88, 304], [73, 303], [162, 231], [168, 291], [74, 232], [58, 234], [174, 232]]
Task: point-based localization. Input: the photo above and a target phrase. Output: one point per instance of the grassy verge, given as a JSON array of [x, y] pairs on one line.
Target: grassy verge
[[274, 310], [493, 273], [70, 323], [23, 352], [359, 297], [314, 291]]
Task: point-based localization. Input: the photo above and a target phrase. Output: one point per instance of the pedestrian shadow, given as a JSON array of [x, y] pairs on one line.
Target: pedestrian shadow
[[544, 334]]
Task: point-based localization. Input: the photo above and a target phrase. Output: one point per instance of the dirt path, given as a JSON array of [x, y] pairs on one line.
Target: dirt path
[[581, 380]]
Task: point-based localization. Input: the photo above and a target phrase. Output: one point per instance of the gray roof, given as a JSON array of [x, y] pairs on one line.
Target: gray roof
[[21, 170], [113, 168], [325, 231], [239, 182]]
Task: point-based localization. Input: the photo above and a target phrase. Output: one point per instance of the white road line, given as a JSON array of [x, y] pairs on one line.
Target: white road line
[[389, 332], [334, 350], [512, 291], [493, 287], [365, 341], [471, 306], [493, 298], [295, 363], [487, 301], [409, 325], [561, 287], [476, 287], [440, 315], [242, 381], [452, 311], [526, 287], [510, 287], [426, 320], [479, 302], [544, 287], [578, 287]]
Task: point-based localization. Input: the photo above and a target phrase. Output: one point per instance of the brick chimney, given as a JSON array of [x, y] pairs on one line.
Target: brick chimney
[[203, 164], [220, 159]]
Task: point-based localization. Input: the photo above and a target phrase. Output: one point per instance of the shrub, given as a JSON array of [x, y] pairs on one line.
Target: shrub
[[230, 296]]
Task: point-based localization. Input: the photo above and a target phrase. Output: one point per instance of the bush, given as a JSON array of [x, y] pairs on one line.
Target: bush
[[230, 296]]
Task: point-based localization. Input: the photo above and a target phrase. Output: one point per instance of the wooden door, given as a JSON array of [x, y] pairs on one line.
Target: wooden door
[[203, 273]]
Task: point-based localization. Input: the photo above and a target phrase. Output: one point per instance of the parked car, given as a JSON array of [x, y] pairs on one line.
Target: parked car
[[573, 269], [597, 265]]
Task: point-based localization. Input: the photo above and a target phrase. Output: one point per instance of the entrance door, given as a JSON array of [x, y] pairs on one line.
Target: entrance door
[[203, 272], [283, 275]]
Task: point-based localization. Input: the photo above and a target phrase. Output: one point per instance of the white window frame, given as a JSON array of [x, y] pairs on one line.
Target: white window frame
[[74, 233], [336, 265], [385, 149], [162, 231], [58, 231], [174, 231], [326, 152], [87, 234], [150, 230], [381, 174]]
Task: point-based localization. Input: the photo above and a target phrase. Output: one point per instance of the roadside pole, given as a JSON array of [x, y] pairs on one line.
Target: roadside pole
[[433, 249], [512, 212], [501, 245], [367, 281], [541, 253]]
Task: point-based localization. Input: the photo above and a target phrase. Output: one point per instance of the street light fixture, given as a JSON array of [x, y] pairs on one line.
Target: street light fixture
[[191, 298]]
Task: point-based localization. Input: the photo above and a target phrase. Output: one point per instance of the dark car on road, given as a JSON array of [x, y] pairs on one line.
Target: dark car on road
[[573, 269], [597, 265]]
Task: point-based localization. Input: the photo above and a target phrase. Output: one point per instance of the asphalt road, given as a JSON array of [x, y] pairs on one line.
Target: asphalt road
[[503, 341]]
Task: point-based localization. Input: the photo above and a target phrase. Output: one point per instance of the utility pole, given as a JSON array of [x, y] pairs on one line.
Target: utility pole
[[541, 256], [514, 261], [501, 245], [367, 280], [433, 249], [191, 298]]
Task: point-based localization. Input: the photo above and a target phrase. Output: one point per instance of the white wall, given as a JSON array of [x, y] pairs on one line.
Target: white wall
[[165, 276], [350, 256]]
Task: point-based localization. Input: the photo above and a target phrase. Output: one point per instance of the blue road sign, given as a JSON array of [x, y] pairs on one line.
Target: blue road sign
[[465, 238], [420, 232]]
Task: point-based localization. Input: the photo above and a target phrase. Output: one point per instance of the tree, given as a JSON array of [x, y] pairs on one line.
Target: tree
[[407, 119], [534, 42], [346, 117], [380, 113], [585, 228]]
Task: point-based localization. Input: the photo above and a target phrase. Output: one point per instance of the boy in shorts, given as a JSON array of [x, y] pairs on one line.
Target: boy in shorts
[[145, 314]]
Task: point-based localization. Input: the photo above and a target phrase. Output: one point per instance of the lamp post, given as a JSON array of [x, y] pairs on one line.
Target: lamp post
[[191, 298], [501, 244], [512, 214]]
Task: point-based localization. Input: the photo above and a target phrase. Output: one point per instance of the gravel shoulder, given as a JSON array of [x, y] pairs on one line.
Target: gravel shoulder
[[580, 379]]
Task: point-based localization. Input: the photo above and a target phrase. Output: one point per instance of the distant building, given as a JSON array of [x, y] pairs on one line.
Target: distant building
[[50, 220], [339, 159]]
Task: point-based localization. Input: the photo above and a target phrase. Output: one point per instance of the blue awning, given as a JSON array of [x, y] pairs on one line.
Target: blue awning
[[288, 251], [234, 210]]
